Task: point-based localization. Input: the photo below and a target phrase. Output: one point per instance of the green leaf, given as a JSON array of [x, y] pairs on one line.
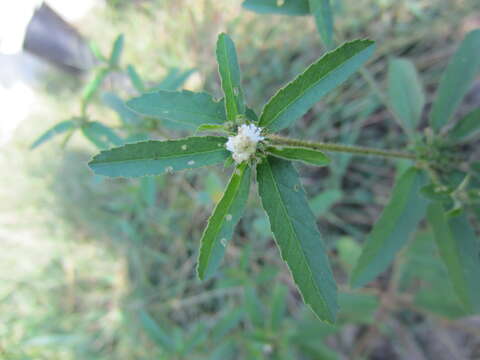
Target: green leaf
[[421, 264], [155, 332], [229, 71], [322, 12], [222, 222], [135, 79], [128, 117], [253, 307], [278, 306], [467, 127], [294, 227], [406, 93], [174, 79], [457, 79], [283, 7], [321, 203], [156, 157], [397, 223], [250, 114], [308, 156], [57, 129], [460, 250], [92, 87], [227, 323], [296, 98], [185, 107], [357, 308], [100, 135], [148, 190], [209, 127], [117, 50], [96, 51]]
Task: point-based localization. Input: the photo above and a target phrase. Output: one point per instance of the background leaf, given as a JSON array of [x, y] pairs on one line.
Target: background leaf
[[322, 202], [406, 93], [117, 50], [156, 157], [57, 129], [92, 87], [308, 156], [322, 12], [100, 135], [185, 107], [467, 127], [222, 222], [128, 116], [229, 71], [287, 7], [174, 79], [460, 250], [397, 223], [297, 97], [155, 332], [457, 79], [135, 79], [295, 230]]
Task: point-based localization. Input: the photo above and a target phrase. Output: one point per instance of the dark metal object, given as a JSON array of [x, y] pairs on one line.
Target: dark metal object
[[50, 37]]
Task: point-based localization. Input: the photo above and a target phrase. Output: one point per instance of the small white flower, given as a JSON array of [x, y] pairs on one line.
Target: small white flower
[[244, 144]]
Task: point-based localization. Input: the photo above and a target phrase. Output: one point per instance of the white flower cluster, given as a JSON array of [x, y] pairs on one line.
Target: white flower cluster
[[244, 144]]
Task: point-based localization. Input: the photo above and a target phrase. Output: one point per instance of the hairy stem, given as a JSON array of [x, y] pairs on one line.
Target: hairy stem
[[357, 150]]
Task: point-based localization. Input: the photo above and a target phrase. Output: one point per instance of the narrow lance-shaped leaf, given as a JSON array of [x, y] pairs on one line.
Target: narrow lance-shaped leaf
[[57, 129], [229, 71], [457, 79], [157, 157], [460, 250], [174, 79], [222, 222], [467, 127], [397, 223], [285, 7], [96, 51], [294, 227], [135, 79], [308, 156], [185, 107], [117, 50], [155, 332], [322, 12], [128, 116], [296, 98], [92, 87], [406, 93], [100, 135]]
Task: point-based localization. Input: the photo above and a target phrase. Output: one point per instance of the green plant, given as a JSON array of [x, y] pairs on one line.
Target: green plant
[[251, 144], [451, 191], [136, 127]]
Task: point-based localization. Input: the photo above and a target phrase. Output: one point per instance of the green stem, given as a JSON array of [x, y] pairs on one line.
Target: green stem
[[357, 150]]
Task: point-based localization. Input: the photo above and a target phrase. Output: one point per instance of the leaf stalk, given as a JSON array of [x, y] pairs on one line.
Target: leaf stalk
[[356, 150]]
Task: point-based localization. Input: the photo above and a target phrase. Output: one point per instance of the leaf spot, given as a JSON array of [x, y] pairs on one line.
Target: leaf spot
[[223, 241], [169, 169], [229, 217], [184, 147], [191, 162]]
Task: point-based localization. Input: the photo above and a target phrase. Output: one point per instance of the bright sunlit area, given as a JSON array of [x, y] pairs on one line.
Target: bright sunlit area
[[180, 182]]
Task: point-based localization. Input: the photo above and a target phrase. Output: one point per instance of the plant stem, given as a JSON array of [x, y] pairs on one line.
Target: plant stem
[[357, 150]]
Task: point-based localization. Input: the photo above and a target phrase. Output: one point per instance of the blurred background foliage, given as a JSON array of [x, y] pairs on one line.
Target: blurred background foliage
[[94, 268]]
